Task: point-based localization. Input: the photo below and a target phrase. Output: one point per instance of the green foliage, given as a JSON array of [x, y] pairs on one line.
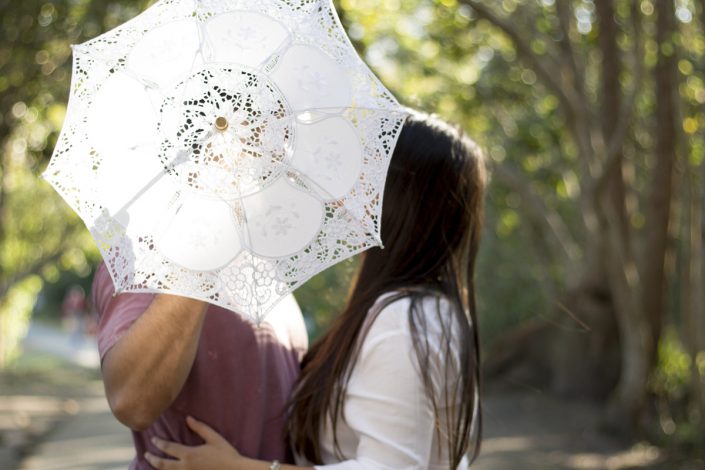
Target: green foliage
[[679, 425], [436, 57], [15, 309], [324, 295], [673, 372], [40, 236]]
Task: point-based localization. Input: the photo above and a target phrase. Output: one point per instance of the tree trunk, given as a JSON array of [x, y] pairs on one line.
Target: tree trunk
[[693, 279], [658, 215], [693, 283], [622, 281], [596, 298], [585, 361], [698, 307], [576, 350], [641, 315]]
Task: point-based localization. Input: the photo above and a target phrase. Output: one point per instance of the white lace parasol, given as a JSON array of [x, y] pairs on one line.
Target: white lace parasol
[[226, 150]]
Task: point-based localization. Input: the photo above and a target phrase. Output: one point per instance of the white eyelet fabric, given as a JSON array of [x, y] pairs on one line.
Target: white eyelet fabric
[[226, 150]]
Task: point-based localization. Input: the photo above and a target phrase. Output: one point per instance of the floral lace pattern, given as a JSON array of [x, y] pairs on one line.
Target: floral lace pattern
[[226, 150], [242, 160]]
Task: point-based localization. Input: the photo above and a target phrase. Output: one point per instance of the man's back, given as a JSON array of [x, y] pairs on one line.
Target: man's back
[[240, 380]]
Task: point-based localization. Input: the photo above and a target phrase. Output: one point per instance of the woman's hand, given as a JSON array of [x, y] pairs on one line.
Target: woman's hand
[[216, 453]]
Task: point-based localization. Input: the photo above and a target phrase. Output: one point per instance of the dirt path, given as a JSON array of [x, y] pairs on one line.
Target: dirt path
[[90, 440], [54, 416], [53, 412], [526, 429], [522, 431]]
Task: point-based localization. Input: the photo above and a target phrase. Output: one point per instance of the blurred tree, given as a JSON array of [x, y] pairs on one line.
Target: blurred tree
[[598, 79], [692, 259], [39, 235], [580, 104]]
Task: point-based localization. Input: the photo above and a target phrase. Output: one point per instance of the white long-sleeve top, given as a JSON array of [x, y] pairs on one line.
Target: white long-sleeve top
[[388, 418]]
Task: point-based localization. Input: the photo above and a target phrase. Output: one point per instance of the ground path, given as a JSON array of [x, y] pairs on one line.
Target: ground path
[[524, 429], [527, 429]]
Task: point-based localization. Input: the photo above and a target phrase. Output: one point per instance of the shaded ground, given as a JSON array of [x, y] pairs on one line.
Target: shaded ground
[[53, 416], [92, 439], [53, 412], [526, 429]]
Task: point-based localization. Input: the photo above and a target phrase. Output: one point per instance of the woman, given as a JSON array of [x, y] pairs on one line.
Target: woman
[[395, 383]]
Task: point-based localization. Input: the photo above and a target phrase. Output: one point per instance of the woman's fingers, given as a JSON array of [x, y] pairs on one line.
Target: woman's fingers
[[202, 429], [160, 463], [170, 448]]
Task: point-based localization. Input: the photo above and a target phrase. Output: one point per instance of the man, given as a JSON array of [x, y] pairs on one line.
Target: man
[[166, 357]]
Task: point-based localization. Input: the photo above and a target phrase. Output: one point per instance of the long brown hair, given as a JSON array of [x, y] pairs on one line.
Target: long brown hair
[[431, 221]]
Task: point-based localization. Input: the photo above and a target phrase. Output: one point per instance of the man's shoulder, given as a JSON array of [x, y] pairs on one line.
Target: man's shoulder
[[285, 319], [104, 298], [116, 313], [288, 324], [102, 289]]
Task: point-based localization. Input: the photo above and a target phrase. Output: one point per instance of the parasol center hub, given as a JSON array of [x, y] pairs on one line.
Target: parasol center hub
[[221, 123]]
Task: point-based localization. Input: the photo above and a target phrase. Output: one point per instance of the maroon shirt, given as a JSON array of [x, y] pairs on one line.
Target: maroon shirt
[[241, 377]]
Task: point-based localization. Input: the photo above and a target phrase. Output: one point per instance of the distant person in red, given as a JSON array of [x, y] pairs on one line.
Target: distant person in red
[[165, 357], [90, 319], [73, 311]]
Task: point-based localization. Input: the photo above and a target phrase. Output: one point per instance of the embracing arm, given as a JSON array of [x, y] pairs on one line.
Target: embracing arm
[[147, 367], [386, 408], [389, 414], [215, 454]]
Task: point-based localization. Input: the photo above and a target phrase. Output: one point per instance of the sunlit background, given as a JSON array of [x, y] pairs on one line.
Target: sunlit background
[[591, 279]]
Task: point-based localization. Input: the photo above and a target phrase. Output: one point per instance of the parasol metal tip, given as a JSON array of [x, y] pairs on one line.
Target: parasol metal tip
[[221, 123]]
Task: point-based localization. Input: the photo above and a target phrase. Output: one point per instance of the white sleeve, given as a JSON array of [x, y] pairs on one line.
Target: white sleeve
[[387, 409]]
